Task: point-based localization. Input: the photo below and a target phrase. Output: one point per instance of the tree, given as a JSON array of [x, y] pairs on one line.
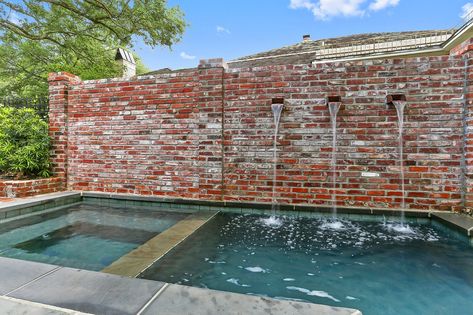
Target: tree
[[24, 143], [79, 36]]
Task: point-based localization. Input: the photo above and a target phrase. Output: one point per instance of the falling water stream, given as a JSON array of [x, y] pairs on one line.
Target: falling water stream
[[400, 115], [334, 107], [273, 220]]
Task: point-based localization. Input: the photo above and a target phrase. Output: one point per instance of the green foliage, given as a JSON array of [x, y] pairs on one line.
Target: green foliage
[[24, 143], [78, 36]]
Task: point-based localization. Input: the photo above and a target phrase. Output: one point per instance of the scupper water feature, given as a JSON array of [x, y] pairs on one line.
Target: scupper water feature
[[399, 102], [276, 108]]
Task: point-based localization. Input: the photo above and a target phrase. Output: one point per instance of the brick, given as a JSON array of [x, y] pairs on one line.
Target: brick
[[207, 133]]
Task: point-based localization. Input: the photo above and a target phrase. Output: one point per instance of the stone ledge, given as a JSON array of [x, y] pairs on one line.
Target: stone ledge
[[262, 207], [37, 203], [10, 305], [459, 222], [141, 258]]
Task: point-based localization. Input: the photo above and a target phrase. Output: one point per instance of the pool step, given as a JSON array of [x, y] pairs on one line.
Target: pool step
[[460, 222], [139, 259]]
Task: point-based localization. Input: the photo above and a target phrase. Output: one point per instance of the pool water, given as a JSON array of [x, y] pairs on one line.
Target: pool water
[[364, 265], [82, 236]]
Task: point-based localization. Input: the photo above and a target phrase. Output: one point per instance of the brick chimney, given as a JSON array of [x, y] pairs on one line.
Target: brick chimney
[[127, 62]]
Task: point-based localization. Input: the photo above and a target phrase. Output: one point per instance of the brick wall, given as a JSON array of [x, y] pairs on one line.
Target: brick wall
[[27, 188], [207, 133]]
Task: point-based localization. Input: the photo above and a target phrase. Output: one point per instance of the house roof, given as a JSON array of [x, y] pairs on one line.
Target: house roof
[[309, 50]]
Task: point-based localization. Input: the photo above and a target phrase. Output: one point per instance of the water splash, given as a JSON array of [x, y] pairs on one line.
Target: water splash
[[400, 105], [273, 220], [334, 107], [400, 228], [333, 225]]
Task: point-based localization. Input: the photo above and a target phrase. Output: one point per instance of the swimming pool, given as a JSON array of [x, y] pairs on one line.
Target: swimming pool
[[82, 236], [366, 265]]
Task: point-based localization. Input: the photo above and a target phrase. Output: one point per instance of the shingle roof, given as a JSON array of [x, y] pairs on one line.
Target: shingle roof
[[310, 50], [307, 51]]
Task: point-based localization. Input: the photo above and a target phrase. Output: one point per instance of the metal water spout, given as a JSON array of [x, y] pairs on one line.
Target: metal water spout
[[399, 102], [334, 103], [277, 105]]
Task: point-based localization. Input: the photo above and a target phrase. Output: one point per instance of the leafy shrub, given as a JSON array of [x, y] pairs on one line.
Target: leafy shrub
[[24, 143]]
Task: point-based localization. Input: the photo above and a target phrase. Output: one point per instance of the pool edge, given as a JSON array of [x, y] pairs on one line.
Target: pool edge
[[141, 258]]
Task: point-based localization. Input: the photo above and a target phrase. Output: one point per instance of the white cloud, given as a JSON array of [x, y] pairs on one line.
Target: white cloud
[[184, 55], [221, 29], [382, 4], [325, 9], [302, 4], [466, 11]]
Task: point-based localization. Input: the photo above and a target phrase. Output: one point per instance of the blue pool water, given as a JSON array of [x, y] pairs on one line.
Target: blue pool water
[[364, 265], [83, 236]]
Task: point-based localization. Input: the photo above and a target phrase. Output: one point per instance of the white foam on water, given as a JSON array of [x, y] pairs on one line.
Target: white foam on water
[[288, 279], [255, 269], [272, 221], [332, 225], [321, 294], [350, 298], [236, 282], [400, 228]]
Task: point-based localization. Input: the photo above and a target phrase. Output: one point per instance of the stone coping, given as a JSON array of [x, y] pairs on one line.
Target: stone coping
[[233, 206], [30, 205], [100, 293], [207, 205], [457, 221], [10, 305], [141, 258], [37, 200]]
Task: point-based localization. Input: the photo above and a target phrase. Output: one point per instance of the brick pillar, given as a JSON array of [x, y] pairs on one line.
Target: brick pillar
[[465, 51], [59, 84], [211, 109]]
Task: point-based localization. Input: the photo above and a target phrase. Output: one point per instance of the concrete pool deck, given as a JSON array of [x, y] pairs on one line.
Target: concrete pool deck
[[36, 288]]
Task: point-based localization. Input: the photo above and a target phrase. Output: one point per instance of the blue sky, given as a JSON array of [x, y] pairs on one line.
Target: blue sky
[[235, 28]]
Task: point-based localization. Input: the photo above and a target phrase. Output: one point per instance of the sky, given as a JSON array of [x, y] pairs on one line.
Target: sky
[[234, 28]]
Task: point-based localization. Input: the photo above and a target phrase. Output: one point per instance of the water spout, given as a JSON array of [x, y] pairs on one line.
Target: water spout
[[400, 105], [334, 107], [399, 102], [276, 108]]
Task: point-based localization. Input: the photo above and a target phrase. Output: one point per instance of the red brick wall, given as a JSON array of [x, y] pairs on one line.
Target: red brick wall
[[162, 135], [367, 133], [468, 118], [27, 188]]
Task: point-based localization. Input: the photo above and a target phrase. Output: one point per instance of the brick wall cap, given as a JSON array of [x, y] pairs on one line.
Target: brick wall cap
[[212, 63], [63, 76]]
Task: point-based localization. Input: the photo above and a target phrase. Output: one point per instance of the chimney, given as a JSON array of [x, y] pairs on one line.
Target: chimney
[[125, 59], [306, 38]]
